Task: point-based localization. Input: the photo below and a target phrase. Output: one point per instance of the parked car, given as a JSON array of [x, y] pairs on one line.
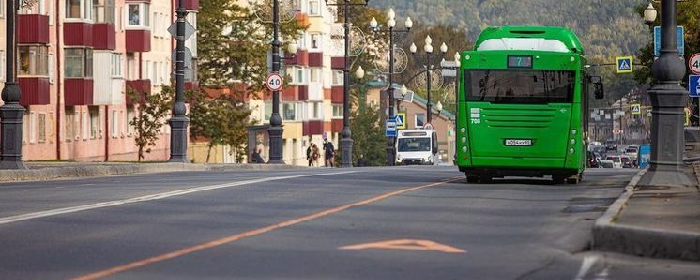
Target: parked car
[[607, 163], [617, 162]]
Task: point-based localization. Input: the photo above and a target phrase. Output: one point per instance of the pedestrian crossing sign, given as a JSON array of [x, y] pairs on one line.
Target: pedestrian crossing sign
[[401, 121], [636, 109], [624, 64]]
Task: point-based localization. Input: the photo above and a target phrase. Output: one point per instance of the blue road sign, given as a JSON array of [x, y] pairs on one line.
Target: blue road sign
[[624, 64], [391, 127], [694, 85], [643, 156], [679, 43]]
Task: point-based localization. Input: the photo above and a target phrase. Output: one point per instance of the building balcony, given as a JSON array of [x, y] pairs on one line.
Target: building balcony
[[78, 91], [35, 91], [302, 58], [141, 87], [336, 125], [138, 40], [77, 34], [316, 59], [33, 29], [337, 63], [103, 36], [312, 127], [191, 5], [294, 93], [337, 94]]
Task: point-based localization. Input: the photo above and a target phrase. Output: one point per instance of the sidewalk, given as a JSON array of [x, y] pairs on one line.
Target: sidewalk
[[42, 171], [656, 222]]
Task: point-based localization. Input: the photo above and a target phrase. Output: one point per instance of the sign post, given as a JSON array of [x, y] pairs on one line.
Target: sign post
[[679, 40], [694, 85], [391, 127], [694, 63], [624, 64], [401, 121], [636, 109], [274, 81]]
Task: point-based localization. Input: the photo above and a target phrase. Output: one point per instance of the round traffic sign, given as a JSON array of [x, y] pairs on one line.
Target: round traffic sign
[[694, 63], [274, 81], [428, 126]]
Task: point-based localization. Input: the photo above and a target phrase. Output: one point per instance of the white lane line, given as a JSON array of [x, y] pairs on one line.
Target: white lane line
[[150, 197], [588, 262]]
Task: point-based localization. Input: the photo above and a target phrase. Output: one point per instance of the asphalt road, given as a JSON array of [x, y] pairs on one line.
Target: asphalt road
[[362, 223]]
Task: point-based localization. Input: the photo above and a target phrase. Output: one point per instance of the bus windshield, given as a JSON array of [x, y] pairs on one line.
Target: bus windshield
[[520, 86], [414, 144]]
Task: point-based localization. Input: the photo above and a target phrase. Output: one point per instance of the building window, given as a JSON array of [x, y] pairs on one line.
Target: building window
[[315, 75], [33, 60], [337, 110], [94, 122], [32, 127], [2, 9], [289, 111], [337, 78], [137, 15], [103, 11], [301, 42], [117, 65], [298, 75], [315, 41], [70, 124], [316, 110], [130, 115], [78, 63], [42, 128], [39, 7], [79, 9], [314, 8], [115, 124], [420, 121]]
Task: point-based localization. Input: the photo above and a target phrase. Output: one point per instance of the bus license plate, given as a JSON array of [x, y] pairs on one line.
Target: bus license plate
[[518, 142]]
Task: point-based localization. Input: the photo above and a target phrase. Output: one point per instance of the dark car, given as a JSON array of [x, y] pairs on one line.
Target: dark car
[[593, 160], [610, 145]]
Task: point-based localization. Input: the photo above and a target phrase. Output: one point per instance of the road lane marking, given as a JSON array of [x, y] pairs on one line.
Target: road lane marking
[[150, 197], [255, 232], [588, 262], [405, 244]]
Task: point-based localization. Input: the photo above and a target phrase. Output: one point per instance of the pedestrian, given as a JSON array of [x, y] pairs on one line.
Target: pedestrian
[[257, 158], [314, 154], [329, 152], [361, 161], [309, 151]]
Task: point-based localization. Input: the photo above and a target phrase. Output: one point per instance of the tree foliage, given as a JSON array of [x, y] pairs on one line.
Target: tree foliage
[[152, 110], [221, 120], [233, 43], [368, 133]]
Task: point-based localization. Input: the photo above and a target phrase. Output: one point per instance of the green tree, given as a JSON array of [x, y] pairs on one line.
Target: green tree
[[152, 109], [368, 134], [233, 43], [221, 120]]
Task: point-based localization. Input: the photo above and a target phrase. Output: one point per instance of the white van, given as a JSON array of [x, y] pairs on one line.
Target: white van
[[416, 147]]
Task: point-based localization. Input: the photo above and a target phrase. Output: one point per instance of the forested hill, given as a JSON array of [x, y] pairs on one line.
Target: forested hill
[[606, 27]]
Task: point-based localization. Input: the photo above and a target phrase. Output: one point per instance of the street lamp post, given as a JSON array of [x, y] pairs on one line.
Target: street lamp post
[[346, 141], [179, 121], [668, 99], [428, 48], [11, 112], [275, 130], [391, 23]]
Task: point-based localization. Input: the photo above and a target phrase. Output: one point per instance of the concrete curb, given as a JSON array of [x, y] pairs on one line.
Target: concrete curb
[[640, 241], [107, 169]]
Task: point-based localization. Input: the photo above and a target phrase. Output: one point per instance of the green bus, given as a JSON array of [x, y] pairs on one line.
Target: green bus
[[522, 105]]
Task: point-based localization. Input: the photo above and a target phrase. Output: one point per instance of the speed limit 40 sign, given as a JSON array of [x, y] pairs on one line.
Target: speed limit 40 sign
[[274, 81], [694, 63]]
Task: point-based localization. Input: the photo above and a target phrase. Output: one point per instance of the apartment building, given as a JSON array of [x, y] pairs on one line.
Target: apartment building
[[311, 104], [76, 60]]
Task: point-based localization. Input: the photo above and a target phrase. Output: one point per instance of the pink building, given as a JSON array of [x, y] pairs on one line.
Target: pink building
[[76, 60]]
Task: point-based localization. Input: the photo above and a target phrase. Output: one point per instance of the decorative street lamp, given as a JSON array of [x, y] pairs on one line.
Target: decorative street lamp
[[668, 98], [179, 121], [11, 112], [391, 24], [346, 140], [428, 48]]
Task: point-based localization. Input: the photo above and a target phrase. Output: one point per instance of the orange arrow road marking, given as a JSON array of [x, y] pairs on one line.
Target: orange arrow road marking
[[405, 244]]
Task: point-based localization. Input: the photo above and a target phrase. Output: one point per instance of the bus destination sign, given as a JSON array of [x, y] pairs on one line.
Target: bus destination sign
[[519, 61]]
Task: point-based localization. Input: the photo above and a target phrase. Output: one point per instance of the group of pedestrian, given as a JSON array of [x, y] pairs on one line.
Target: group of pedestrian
[[313, 154]]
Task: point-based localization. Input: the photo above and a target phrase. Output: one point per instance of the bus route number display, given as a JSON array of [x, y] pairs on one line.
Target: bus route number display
[[519, 61]]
